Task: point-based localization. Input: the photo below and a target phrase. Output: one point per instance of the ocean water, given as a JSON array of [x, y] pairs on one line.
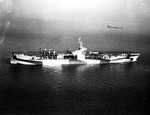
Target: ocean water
[[75, 89]]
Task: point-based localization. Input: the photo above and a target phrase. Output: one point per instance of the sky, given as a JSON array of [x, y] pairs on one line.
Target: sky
[[123, 10], [130, 11], [88, 11]]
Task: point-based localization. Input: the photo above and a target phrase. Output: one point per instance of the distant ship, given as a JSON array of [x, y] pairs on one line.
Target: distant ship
[[79, 56], [115, 27]]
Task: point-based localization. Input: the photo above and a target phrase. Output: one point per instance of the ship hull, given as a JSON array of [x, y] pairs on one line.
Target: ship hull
[[26, 60], [79, 56]]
